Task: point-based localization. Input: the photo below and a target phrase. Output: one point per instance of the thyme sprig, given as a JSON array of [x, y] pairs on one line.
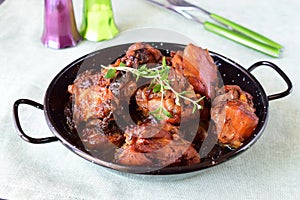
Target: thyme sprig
[[159, 83]]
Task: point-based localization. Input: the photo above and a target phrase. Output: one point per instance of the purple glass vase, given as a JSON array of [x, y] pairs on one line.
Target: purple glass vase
[[60, 30]]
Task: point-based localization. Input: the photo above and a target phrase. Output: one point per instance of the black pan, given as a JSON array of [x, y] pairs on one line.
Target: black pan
[[231, 72]]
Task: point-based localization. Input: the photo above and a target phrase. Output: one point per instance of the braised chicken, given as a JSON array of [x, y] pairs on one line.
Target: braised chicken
[[148, 101], [92, 110], [155, 145], [140, 53], [117, 115], [234, 115], [91, 97], [198, 66]]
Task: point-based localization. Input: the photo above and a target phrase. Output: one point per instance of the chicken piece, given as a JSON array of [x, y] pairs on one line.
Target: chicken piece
[[129, 156], [91, 112], [136, 146], [176, 61], [161, 145], [178, 65], [140, 53], [199, 68], [91, 96], [149, 101], [234, 115], [100, 145], [178, 152], [94, 138]]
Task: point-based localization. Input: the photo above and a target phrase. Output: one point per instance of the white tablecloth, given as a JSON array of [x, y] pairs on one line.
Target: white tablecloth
[[268, 170]]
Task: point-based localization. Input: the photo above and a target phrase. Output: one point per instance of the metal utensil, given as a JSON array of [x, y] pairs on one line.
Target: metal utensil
[[227, 22], [230, 30]]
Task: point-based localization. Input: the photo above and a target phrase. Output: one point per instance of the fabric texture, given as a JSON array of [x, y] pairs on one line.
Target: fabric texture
[[268, 170]]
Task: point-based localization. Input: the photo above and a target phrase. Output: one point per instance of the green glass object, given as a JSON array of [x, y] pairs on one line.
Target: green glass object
[[98, 21]]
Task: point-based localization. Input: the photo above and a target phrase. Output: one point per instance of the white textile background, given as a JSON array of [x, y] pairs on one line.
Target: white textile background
[[268, 170]]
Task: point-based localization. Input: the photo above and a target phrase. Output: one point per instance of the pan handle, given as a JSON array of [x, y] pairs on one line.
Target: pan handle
[[18, 124], [281, 73]]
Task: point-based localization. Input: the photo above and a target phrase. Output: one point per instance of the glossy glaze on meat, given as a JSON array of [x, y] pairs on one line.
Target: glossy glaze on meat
[[140, 53], [148, 101], [115, 116], [91, 110], [199, 68], [156, 145], [234, 115], [91, 97]]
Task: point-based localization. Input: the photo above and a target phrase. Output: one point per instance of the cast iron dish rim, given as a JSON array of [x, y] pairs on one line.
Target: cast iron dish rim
[[167, 170]]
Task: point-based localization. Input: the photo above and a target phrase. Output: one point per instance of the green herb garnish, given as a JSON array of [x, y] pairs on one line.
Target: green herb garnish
[[159, 83], [111, 73]]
